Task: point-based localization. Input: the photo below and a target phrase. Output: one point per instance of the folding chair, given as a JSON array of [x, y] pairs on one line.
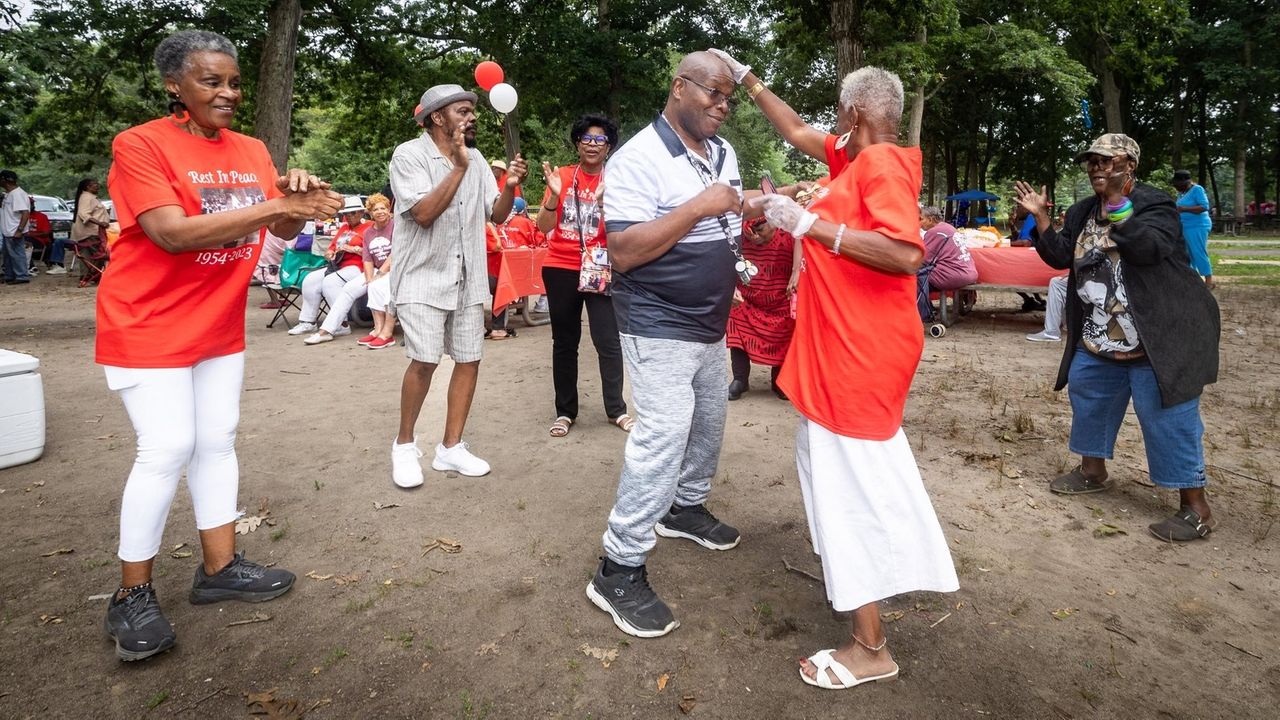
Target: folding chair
[[293, 268], [93, 256]]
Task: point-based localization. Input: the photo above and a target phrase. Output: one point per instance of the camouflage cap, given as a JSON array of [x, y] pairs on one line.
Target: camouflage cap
[[1111, 145]]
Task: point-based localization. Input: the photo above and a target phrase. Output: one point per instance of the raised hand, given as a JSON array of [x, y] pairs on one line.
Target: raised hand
[[458, 148], [517, 171], [786, 214], [312, 204], [298, 180], [1036, 203], [737, 69], [551, 176], [718, 199]]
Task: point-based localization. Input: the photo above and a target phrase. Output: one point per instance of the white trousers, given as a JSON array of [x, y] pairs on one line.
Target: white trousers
[[380, 294], [183, 417], [1056, 306], [870, 518], [340, 304], [316, 285]]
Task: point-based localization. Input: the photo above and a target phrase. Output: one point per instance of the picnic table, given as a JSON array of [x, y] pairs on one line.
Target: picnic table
[[520, 276], [1009, 269]]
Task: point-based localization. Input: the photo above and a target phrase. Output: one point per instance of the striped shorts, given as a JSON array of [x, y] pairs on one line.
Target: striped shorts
[[430, 332]]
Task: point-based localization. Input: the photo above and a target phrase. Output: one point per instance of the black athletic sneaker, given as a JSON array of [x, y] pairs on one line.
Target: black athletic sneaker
[[240, 580], [696, 523], [635, 607], [137, 625]]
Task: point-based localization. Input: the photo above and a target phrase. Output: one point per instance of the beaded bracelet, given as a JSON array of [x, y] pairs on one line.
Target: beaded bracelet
[[1121, 211], [835, 247]]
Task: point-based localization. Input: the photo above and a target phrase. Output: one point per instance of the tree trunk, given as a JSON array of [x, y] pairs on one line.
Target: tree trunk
[[846, 30], [615, 68], [1202, 138], [1242, 136], [949, 159], [931, 174], [917, 100], [511, 133], [1179, 105], [274, 116], [1110, 90]]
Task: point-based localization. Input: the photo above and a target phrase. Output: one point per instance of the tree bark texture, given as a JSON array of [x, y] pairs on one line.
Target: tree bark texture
[[274, 116], [1110, 89], [917, 99], [846, 30]]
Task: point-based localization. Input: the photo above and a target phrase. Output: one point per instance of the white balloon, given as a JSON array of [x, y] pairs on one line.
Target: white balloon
[[503, 97]]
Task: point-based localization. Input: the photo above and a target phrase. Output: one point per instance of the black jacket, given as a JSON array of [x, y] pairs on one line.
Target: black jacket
[[1176, 315]]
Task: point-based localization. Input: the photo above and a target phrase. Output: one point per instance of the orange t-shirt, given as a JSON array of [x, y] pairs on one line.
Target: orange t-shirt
[[858, 340], [158, 309], [564, 249], [837, 156]]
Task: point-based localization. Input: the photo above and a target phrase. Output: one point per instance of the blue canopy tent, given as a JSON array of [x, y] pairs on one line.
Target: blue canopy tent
[[961, 217]]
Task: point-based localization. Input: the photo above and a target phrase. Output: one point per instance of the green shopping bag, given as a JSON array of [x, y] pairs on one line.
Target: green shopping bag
[[296, 265]]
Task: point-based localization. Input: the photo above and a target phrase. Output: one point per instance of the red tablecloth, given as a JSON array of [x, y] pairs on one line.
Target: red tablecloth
[[1018, 266], [519, 275]]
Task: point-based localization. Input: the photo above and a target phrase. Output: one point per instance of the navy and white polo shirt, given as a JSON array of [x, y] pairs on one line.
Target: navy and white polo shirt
[[684, 294]]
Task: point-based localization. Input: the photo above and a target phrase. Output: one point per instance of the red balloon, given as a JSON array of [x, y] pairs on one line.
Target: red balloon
[[488, 74]]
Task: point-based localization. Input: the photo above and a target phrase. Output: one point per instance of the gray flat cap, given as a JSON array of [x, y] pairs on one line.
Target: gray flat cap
[[440, 96]]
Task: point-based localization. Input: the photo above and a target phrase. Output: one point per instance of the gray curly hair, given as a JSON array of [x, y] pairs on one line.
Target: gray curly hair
[[875, 92], [174, 52]]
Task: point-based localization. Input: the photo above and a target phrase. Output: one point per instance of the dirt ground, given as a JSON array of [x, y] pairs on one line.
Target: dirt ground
[[1067, 607]]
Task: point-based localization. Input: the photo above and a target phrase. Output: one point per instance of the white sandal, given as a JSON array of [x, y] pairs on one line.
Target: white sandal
[[823, 661]]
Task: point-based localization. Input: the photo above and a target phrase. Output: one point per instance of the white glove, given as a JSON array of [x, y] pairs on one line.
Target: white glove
[[786, 214], [737, 69]]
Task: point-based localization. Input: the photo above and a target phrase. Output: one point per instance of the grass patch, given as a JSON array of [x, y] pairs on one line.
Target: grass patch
[[334, 657], [469, 710], [157, 700], [1247, 274], [279, 533]]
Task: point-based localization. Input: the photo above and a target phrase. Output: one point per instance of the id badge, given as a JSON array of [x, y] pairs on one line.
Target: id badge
[[600, 256]]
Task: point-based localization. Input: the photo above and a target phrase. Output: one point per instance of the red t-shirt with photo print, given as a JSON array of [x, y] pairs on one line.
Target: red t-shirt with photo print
[[564, 249], [158, 309]]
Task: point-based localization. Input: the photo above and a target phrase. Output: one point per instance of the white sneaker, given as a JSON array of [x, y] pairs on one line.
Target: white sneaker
[[317, 338], [302, 328], [342, 330], [406, 471], [459, 458], [1043, 336], [541, 305], [56, 270]]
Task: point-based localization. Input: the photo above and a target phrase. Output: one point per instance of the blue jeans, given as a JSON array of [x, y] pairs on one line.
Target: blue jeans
[[1100, 390], [15, 259], [57, 252]]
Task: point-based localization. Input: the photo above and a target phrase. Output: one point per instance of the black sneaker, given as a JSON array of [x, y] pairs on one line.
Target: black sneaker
[[137, 625], [635, 607], [240, 580], [736, 389], [696, 523]]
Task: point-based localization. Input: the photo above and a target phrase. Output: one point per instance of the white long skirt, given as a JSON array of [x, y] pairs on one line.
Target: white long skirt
[[870, 518]]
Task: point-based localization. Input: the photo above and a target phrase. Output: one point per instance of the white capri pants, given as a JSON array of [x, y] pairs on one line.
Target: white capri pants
[[1055, 309], [316, 285], [870, 518], [380, 295], [183, 417]]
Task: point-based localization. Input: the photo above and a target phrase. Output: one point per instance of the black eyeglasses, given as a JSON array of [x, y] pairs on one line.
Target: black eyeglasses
[[594, 139], [716, 96]]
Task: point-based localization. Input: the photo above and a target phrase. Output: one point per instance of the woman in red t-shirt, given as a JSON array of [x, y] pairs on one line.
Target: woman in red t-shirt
[[192, 198], [856, 345], [573, 219], [340, 284]]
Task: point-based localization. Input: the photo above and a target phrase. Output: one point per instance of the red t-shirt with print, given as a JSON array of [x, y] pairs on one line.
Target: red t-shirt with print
[[354, 237], [563, 247], [857, 340], [158, 309], [837, 155]]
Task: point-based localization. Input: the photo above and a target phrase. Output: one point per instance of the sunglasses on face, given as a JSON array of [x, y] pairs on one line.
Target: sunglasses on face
[[1099, 161], [594, 139], [716, 96]]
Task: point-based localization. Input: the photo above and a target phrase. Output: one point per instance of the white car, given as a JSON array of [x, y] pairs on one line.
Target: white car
[[59, 215]]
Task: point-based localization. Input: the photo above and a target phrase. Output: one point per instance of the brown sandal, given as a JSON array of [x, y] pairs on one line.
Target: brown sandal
[[1077, 483], [560, 427]]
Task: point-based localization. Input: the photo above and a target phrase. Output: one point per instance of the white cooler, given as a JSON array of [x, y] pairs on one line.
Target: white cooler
[[21, 409]]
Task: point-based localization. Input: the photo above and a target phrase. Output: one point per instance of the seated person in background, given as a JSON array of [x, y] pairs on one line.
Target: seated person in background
[[952, 265], [1053, 312], [1020, 226], [495, 323], [376, 255], [345, 265], [268, 270], [520, 229]]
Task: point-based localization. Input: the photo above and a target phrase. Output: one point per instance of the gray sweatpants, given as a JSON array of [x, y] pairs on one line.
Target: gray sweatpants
[[680, 394]]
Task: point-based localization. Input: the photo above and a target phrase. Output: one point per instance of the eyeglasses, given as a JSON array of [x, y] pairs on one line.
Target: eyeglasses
[[594, 139], [1099, 161], [716, 96]]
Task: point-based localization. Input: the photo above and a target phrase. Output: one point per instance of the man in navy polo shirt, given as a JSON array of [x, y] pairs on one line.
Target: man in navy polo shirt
[[673, 217]]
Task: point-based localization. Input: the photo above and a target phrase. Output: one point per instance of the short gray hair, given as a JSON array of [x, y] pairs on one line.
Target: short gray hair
[[875, 92], [174, 52], [932, 212]]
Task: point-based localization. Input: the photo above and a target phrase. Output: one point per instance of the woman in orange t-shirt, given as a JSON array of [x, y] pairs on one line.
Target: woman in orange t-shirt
[[193, 198], [573, 218], [856, 345]]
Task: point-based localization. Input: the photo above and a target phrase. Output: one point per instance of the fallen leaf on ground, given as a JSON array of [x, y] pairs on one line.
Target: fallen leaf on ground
[[345, 579], [248, 524], [256, 618], [1064, 613], [180, 554], [662, 681], [445, 544], [34, 485], [604, 656], [264, 703], [1111, 593], [387, 506], [893, 616], [50, 620], [1107, 530], [687, 703], [489, 648], [1012, 473], [312, 574], [59, 551]]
